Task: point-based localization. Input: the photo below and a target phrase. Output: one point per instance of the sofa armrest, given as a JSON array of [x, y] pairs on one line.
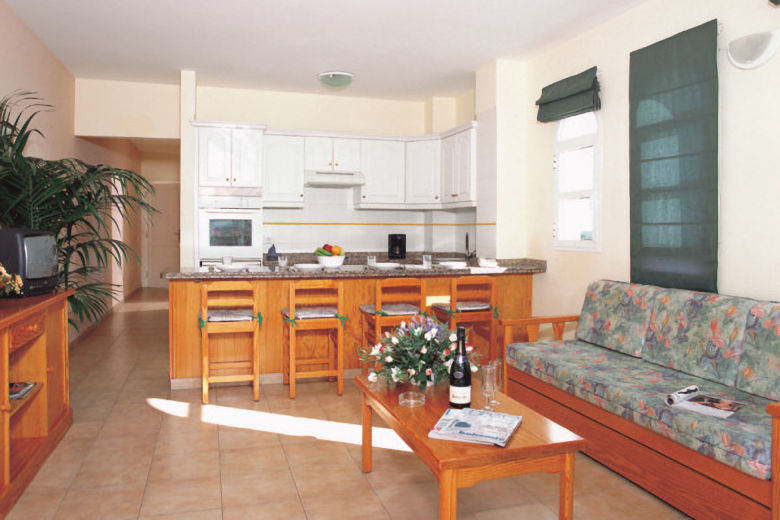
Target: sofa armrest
[[773, 409], [531, 326]]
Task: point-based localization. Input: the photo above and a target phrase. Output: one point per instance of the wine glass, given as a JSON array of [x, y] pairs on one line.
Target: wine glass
[[488, 385], [499, 378]]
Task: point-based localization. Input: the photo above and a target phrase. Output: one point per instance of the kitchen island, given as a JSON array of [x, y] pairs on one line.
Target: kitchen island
[[359, 282]]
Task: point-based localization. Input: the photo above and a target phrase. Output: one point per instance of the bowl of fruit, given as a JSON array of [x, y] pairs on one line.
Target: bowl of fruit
[[330, 256]]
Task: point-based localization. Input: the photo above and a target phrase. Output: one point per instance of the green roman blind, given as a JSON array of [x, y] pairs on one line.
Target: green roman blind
[[570, 96], [674, 161]]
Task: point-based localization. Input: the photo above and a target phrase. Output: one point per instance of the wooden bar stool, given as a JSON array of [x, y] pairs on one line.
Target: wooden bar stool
[[397, 300], [314, 305], [229, 307], [472, 303]]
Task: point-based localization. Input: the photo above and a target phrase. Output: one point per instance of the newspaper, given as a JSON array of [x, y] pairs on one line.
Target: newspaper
[[691, 398], [477, 426]]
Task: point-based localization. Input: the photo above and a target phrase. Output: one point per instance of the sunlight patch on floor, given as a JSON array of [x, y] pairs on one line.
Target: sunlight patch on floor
[[175, 408]]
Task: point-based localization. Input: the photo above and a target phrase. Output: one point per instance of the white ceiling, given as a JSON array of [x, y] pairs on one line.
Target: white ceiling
[[402, 49]]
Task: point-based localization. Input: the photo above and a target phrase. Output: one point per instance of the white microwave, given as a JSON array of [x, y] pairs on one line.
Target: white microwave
[[230, 232]]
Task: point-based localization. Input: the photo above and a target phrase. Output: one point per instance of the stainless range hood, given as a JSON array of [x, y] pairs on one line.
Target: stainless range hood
[[330, 179]]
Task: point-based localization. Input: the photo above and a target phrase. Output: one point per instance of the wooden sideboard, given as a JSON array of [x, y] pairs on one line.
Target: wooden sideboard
[[33, 348], [514, 301]]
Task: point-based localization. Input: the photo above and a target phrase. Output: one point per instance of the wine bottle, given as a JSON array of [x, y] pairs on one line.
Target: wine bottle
[[460, 375]]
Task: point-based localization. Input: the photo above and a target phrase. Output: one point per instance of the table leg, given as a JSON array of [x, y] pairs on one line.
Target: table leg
[[566, 503], [448, 495], [366, 436]]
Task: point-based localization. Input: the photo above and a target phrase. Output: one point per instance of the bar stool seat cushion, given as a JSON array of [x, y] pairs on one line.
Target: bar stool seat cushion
[[302, 313], [392, 309], [464, 306], [230, 315]]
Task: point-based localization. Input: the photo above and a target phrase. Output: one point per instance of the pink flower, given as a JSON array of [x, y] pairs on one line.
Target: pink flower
[[428, 371], [446, 352]]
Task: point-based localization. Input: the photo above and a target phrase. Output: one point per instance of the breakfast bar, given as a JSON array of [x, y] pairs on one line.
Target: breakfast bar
[[514, 297]]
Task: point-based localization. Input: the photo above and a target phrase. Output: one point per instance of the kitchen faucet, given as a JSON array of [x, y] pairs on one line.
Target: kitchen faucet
[[469, 254]]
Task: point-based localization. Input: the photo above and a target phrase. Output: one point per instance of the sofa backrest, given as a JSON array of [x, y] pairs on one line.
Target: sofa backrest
[[698, 333], [759, 365], [615, 315]]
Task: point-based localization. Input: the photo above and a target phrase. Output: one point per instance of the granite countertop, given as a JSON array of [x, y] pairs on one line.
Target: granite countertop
[[355, 267]]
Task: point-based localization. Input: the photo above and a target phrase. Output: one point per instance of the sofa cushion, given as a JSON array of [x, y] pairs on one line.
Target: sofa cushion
[[635, 390], [759, 364], [698, 333], [615, 315]]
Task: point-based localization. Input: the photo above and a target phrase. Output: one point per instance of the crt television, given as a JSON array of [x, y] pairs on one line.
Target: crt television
[[33, 256]]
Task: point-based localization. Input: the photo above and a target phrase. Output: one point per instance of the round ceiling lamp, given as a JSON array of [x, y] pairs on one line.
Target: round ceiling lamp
[[336, 79]]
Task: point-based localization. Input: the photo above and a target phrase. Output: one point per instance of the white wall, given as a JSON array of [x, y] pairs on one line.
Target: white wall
[[749, 179]]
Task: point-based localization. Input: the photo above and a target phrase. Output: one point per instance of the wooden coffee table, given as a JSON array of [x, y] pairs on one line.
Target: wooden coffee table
[[538, 445]]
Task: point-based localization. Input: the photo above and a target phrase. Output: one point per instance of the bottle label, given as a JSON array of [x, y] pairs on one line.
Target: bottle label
[[460, 394]]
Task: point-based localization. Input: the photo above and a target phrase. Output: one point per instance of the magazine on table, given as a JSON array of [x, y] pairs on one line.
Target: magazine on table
[[19, 390], [691, 398], [477, 426]]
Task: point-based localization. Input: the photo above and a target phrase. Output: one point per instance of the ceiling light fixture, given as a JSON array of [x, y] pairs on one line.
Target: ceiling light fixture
[[336, 79]]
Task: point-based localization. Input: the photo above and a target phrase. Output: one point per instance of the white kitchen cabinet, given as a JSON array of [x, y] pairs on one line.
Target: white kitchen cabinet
[[459, 167], [283, 166], [332, 154], [382, 163], [423, 172], [230, 157]]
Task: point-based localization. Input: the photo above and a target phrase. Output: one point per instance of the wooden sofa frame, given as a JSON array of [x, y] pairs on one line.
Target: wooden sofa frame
[[696, 484]]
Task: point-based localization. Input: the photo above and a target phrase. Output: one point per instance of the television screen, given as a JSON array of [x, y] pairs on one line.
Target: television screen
[[40, 253]]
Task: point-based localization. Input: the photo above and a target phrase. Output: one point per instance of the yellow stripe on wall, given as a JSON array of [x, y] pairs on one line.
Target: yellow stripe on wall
[[370, 224]]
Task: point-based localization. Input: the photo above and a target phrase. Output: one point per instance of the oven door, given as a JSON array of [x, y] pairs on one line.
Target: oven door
[[230, 232]]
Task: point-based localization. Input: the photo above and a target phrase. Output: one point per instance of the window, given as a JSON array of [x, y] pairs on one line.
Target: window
[[576, 172]]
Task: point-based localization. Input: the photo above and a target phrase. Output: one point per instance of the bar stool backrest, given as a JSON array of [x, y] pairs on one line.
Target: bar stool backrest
[[229, 295], [473, 289], [400, 290], [316, 293]]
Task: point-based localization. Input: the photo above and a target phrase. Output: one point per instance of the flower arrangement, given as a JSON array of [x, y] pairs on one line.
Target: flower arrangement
[[419, 352], [9, 283]]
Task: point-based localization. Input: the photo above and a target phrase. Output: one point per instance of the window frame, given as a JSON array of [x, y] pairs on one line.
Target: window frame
[[576, 143]]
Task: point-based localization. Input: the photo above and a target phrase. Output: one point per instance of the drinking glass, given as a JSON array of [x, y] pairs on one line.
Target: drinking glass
[[427, 261], [371, 260], [282, 261], [488, 385], [497, 363]]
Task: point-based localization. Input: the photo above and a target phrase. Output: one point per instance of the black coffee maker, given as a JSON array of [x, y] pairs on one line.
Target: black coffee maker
[[396, 246]]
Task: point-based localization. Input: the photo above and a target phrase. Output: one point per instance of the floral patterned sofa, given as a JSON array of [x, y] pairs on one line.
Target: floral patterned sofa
[[634, 345]]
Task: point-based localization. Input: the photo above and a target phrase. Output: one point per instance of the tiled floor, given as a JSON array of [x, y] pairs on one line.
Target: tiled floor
[[140, 450]]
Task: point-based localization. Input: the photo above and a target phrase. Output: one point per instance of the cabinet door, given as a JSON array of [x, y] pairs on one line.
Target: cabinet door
[[346, 155], [466, 161], [247, 157], [449, 171], [318, 153], [214, 156], [283, 165], [382, 164], [423, 172]]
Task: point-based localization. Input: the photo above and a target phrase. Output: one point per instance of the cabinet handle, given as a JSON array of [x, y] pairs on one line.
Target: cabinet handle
[[364, 196], [436, 197], [234, 180], [301, 194], [453, 194], [337, 164], [227, 179], [330, 164]]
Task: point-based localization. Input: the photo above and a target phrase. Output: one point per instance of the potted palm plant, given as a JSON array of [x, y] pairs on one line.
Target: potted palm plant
[[80, 203]]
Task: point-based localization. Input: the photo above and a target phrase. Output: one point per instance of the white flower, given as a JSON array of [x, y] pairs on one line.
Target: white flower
[[453, 337], [411, 371], [424, 349], [428, 336], [394, 372], [403, 324], [448, 363], [372, 377], [394, 340], [388, 359], [433, 332], [474, 368], [469, 348], [376, 349], [418, 331], [387, 334]]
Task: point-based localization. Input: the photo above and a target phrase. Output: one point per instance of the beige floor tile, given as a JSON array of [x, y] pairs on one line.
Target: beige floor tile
[[104, 467], [184, 465], [494, 494], [179, 496], [252, 460], [535, 511], [240, 438], [118, 502], [36, 505], [171, 442], [54, 476], [344, 507], [291, 510], [248, 489], [213, 514]]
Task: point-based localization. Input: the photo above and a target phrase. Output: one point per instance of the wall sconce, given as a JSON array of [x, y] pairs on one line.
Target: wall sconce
[[755, 49]]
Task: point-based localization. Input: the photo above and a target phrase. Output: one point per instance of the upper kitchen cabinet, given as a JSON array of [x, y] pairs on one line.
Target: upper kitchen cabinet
[[230, 157], [459, 167], [332, 154], [283, 167], [423, 172], [382, 164]]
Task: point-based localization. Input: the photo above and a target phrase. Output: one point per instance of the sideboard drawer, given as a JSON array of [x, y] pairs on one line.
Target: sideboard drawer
[[26, 331]]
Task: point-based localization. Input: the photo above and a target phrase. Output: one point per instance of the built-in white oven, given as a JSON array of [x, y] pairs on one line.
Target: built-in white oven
[[233, 232]]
